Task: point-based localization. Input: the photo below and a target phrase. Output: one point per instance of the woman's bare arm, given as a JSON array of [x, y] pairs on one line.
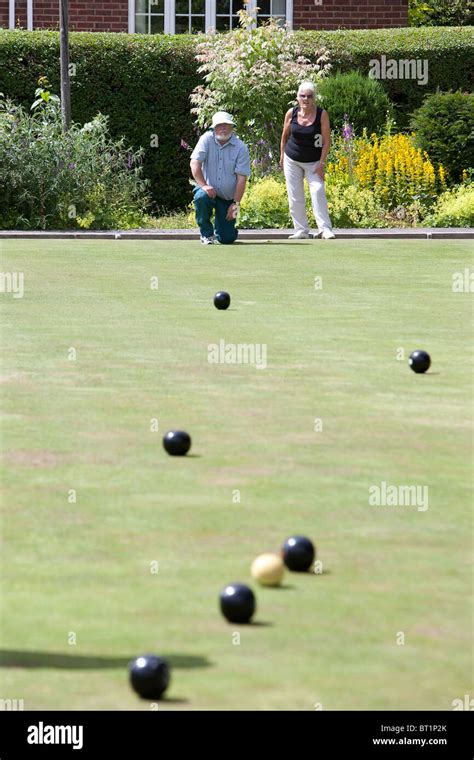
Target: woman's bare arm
[[285, 135]]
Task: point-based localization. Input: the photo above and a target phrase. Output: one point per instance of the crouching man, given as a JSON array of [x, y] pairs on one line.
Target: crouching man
[[220, 164]]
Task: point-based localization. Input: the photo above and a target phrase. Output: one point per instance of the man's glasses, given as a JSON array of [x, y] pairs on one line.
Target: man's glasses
[[305, 96]]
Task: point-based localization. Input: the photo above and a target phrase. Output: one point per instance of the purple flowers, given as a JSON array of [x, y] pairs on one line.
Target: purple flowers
[[348, 135], [185, 145], [72, 165], [347, 129]]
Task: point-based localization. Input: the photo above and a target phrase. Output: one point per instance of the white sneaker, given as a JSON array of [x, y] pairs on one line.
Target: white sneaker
[[207, 240], [300, 235], [328, 235]]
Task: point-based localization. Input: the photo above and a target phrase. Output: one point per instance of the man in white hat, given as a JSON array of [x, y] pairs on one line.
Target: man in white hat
[[220, 165]]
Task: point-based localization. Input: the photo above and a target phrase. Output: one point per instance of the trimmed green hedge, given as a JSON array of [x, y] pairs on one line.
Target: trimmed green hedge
[[143, 82], [448, 50], [444, 129]]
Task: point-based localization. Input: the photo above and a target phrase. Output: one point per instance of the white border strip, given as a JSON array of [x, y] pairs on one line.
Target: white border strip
[[131, 16], [29, 15]]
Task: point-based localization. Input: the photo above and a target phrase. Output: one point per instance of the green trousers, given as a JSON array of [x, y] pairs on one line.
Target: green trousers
[[225, 230]]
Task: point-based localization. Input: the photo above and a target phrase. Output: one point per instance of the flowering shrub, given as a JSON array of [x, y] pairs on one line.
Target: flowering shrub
[[254, 73], [391, 167], [355, 207], [454, 208], [265, 205], [50, 179], [397, 171], [381, 181]]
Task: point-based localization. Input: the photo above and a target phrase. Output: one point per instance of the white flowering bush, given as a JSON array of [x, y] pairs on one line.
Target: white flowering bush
[[254, 73]]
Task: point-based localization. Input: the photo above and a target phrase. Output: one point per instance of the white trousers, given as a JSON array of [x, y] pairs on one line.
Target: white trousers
[[295, 172]]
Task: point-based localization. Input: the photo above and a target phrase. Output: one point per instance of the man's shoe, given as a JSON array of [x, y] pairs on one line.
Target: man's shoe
[[328, 235], [300, 235], [207, 240]]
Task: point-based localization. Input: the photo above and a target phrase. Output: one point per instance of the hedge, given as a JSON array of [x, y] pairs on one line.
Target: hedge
[[143, 82], [449, 52]]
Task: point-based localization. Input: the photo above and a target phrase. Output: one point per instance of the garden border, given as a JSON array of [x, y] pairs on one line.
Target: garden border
[[420, 233]]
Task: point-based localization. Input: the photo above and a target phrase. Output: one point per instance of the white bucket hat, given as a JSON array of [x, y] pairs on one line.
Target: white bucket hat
[[222, 117]]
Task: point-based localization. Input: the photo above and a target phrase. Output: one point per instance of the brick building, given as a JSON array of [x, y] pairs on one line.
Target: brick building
[[177, 16]]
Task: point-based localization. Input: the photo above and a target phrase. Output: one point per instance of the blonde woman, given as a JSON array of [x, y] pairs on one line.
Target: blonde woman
[[305, 143]]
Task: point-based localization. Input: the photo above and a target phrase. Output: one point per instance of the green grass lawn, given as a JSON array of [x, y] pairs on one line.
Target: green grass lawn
[[84, 568]]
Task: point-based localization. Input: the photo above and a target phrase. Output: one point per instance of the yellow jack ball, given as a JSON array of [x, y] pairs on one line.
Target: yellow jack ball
[[268, 569]]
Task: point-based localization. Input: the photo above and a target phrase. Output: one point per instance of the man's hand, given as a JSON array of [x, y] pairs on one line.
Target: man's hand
[[232, 211], [319, 170], [210, 191]]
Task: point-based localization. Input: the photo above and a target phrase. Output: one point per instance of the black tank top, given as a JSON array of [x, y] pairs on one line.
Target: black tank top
[[305, 143]]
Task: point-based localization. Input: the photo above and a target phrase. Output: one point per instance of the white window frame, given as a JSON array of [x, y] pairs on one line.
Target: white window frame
[[11, 14], [211, 19], [169, 26], [29, 15], [131, 16], [288, 10], [170, 17]]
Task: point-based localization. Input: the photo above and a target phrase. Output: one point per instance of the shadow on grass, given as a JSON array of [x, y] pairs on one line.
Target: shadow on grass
[[260, 624], [324, 571], [173, 701], [18, 659], [275, 241], [283, 587]]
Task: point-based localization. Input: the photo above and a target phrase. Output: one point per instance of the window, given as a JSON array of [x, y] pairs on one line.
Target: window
[[192, 16], [150, 16], [226, 14], [271, 9]]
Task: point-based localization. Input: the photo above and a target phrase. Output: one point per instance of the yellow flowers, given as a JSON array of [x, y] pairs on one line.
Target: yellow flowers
[[392, 168], [392, 164]]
